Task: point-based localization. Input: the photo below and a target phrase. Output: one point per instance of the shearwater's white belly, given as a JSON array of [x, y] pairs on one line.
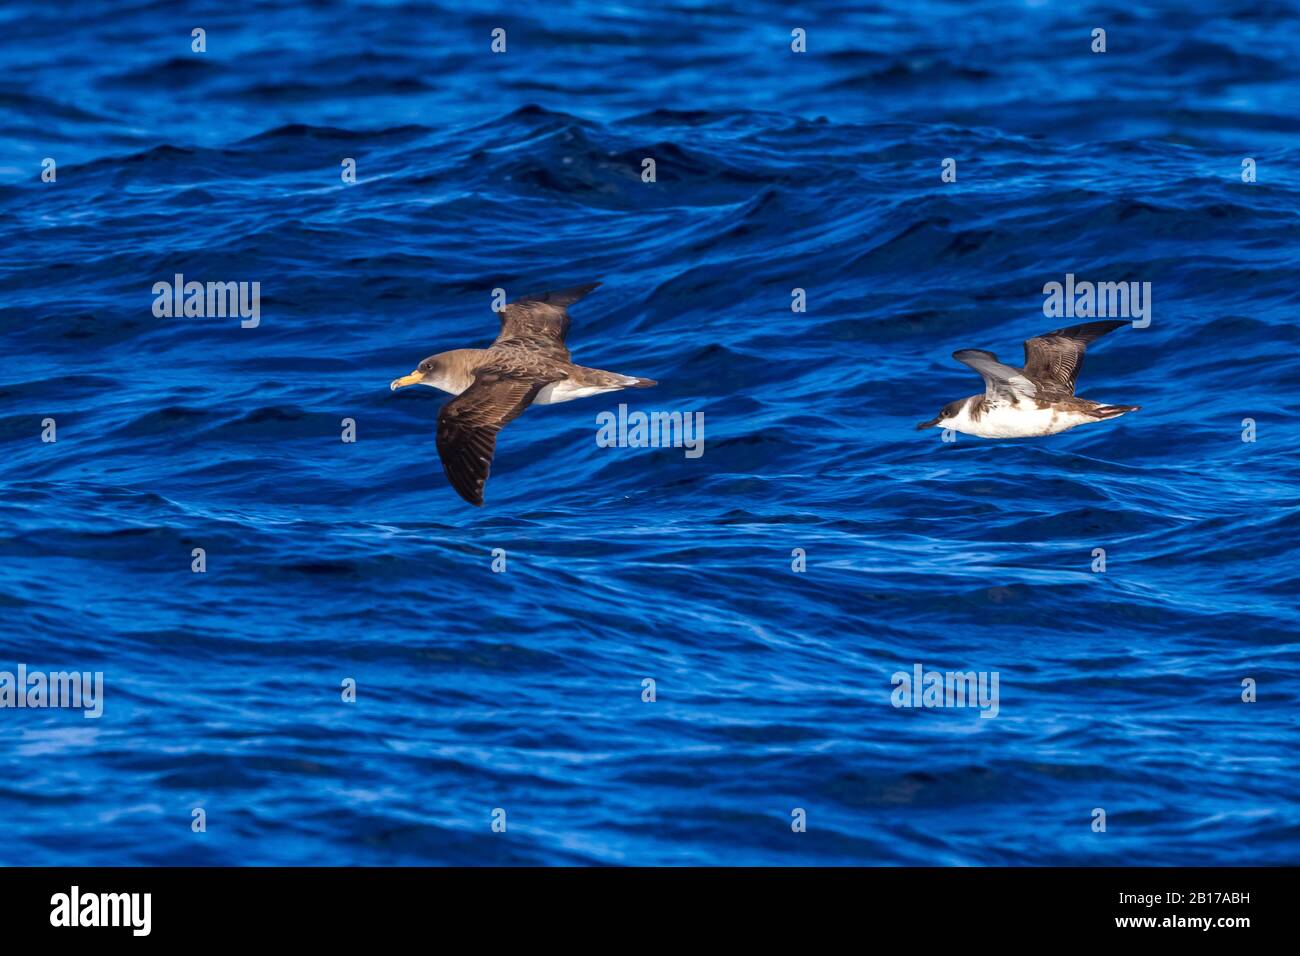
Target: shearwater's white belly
[[567, 391], [1024, 420], [552, 394]]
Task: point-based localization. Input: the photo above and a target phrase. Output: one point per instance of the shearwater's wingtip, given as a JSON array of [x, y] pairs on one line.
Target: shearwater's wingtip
[[560, 298]]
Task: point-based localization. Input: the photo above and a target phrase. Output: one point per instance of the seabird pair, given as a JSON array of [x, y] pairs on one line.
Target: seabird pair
[[528, 364]]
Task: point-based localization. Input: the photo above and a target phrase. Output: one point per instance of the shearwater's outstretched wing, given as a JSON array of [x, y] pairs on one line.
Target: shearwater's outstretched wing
[[1002, 383], [1053, 360], [539, 322], [468, 424]]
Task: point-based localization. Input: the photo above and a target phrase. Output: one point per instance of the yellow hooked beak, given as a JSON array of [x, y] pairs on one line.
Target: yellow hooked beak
[[415, 378]]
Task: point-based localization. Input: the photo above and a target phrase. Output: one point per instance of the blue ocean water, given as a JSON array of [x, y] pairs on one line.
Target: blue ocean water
[[522, 690]]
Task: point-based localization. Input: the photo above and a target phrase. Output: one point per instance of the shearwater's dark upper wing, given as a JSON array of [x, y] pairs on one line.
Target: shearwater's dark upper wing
[[468, 424], [1002, 383], [1053, 361], [539, 322]]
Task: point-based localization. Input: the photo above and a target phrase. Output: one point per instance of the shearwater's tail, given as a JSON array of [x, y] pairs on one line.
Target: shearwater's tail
[[1104, 412]]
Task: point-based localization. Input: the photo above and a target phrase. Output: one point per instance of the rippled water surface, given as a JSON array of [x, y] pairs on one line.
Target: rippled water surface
[[522, 690]]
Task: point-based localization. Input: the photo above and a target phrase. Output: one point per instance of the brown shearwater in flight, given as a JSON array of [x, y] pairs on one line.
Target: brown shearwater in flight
[[526, 365], [1038, 399]]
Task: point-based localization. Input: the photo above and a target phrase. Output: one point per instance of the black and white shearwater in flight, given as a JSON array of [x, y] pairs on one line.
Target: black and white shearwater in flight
[[1035, 400], [528, 364]]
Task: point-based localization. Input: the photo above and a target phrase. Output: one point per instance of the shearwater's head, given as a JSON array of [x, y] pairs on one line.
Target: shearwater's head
[[450, 371], [947, 417]]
